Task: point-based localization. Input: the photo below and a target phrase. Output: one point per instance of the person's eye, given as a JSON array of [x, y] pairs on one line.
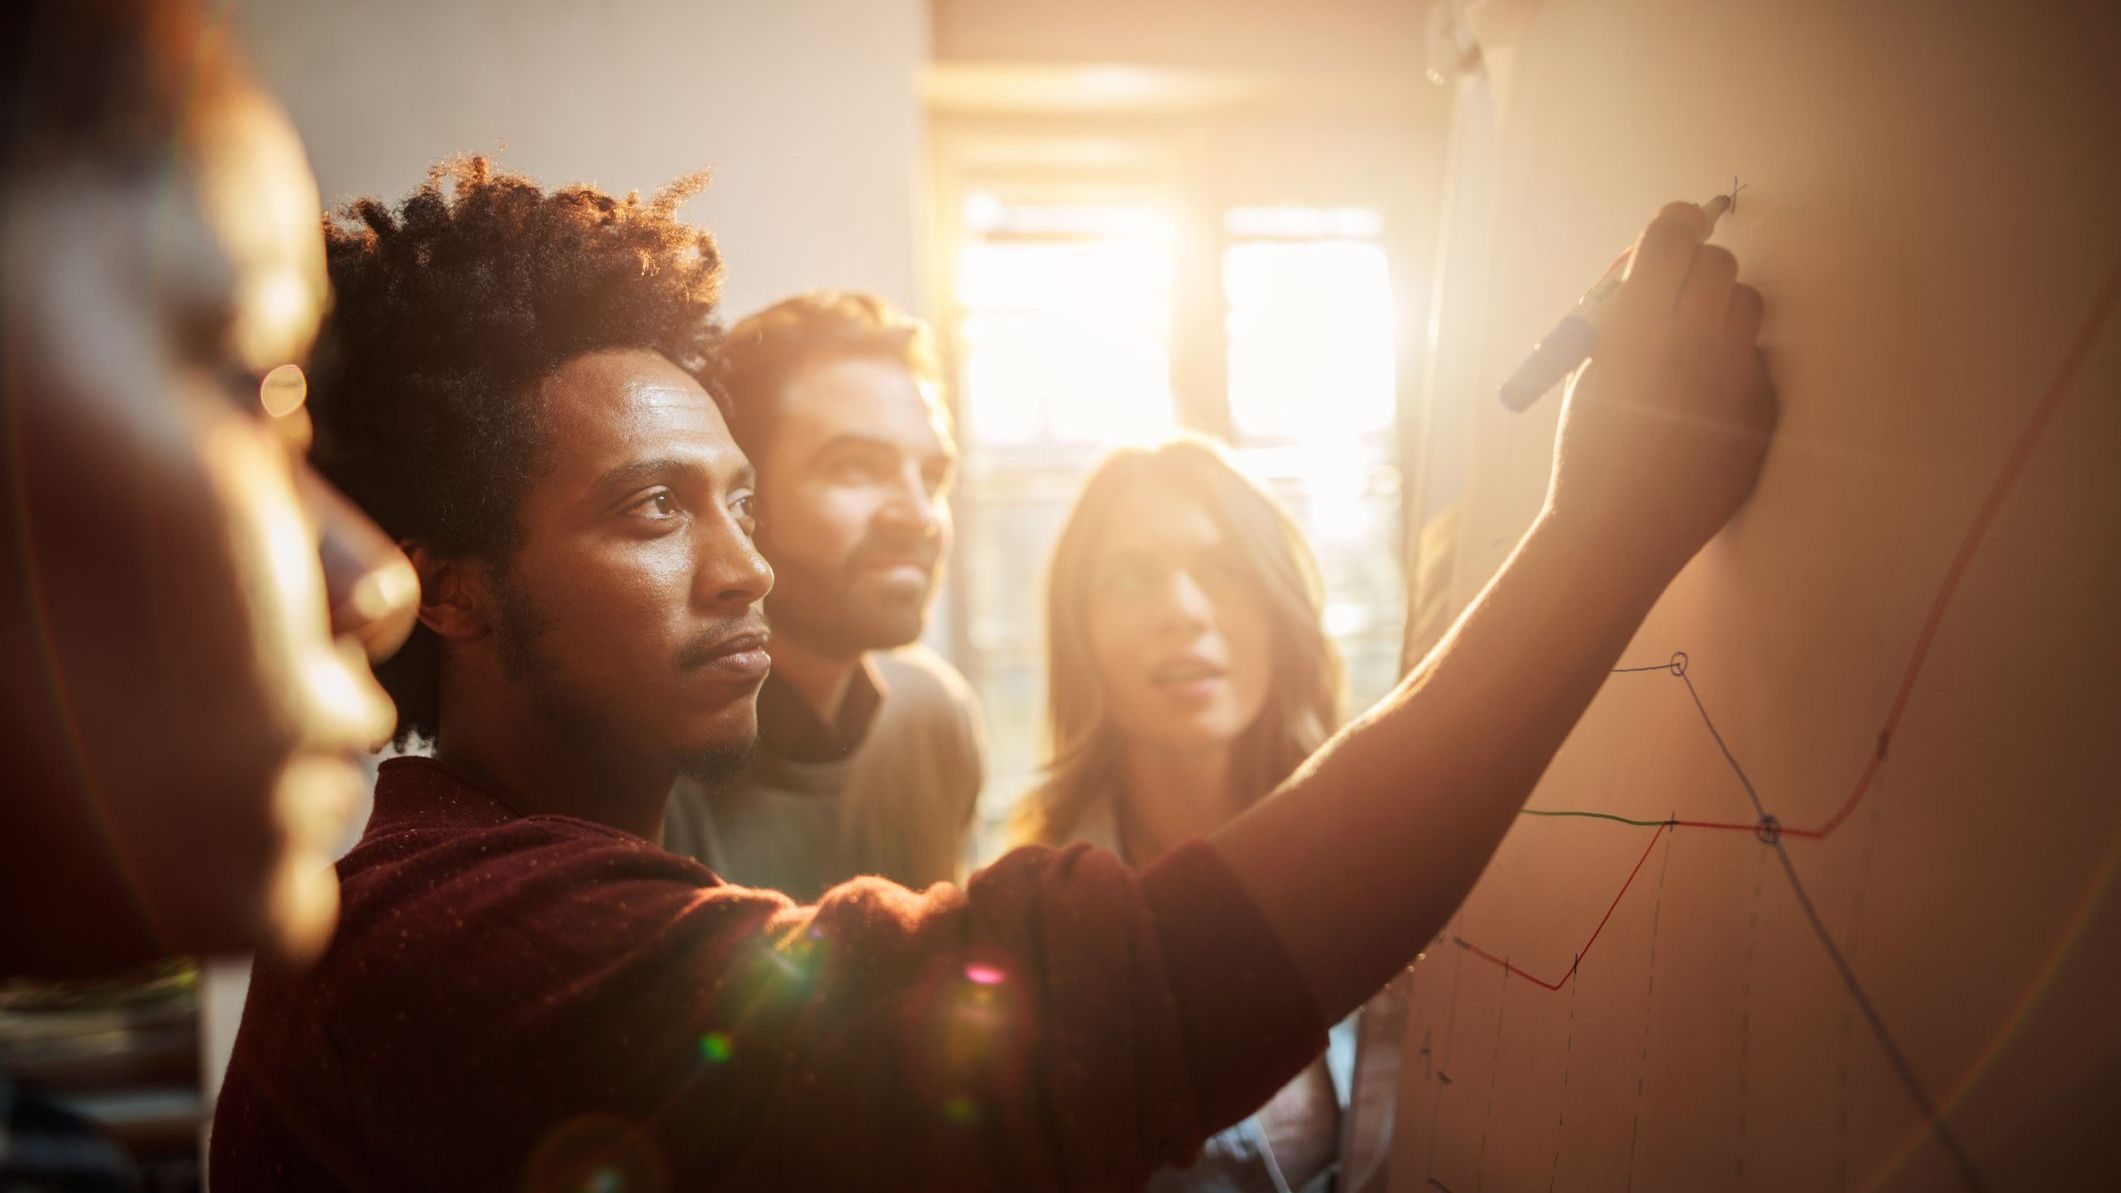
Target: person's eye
[[855, 470], [746, 508], [1126, 580], [656, 506]]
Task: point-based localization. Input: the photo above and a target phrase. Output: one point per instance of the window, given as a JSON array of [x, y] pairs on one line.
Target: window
[[1309, 324], [1312, 391], [1078, 314], [1067, 324], [1064, 344]]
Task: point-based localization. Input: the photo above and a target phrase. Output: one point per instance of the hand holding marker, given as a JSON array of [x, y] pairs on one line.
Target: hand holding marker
[[1572, 340]]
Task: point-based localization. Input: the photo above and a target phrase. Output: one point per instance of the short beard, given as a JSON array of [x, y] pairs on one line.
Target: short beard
[[814, 607], [839, 633], [520, 629], [519, 635], [714, 769]]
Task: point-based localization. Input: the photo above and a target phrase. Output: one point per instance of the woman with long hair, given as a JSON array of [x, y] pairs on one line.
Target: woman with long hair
[[1188, 675]]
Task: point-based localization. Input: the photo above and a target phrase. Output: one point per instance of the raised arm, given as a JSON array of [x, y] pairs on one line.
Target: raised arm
[[1364, 854]]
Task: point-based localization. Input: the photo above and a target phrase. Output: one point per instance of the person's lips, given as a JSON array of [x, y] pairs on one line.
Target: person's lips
[[1191, 680], [740, 653], [900, 560], [1186, 670], [902, 572]]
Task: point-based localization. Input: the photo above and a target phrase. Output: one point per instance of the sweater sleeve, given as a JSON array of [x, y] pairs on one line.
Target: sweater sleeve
[[1059, 1024], [558, 1003]]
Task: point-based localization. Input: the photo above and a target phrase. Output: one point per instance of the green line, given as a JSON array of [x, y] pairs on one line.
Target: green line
[[1597, 816]]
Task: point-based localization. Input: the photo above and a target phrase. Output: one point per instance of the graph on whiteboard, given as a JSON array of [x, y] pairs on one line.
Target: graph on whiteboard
[[1535, 1065]]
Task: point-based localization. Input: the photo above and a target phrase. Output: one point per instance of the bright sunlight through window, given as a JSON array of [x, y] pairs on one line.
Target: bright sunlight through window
[[1067, 326], [1309, 302]]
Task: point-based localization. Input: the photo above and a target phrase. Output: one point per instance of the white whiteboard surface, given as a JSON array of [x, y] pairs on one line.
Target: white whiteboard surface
[[1917, 983]]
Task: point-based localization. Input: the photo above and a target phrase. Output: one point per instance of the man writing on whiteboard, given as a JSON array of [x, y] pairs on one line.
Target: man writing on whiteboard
[[527, 992]]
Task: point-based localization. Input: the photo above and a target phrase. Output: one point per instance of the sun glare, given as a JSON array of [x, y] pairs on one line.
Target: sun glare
[[1067, 323], [1310, 332]]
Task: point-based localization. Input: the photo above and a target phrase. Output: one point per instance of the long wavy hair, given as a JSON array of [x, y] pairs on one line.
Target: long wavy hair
[[1304, 693]]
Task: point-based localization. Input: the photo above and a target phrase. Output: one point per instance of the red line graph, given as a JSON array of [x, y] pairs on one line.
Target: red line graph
[[1511, 967], [2013, 466]]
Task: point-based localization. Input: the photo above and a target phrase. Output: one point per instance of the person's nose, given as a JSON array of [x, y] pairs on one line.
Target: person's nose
[[912, 508], [369, 585], [732, 575], [1183, 607]]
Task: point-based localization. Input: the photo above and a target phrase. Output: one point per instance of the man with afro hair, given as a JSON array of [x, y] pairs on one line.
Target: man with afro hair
[[463, 323], [526, 992]]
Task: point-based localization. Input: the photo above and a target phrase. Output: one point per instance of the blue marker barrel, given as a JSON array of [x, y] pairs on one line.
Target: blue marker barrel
[[1559, 351]]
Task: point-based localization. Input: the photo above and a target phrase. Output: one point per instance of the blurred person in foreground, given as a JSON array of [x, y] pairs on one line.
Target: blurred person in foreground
[[186, 610], [526, 991], [868, 757], [1188, 675]]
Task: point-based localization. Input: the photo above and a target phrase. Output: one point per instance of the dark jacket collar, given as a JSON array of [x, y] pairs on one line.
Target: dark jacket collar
[[792, 730]]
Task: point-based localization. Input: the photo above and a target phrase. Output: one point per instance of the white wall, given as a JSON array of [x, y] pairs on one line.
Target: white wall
[[807, 111]]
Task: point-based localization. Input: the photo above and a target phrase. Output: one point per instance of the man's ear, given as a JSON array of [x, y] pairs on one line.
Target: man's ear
[[455, 601]]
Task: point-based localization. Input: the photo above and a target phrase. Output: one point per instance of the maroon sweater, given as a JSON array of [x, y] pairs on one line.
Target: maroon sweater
[[520, 1002]]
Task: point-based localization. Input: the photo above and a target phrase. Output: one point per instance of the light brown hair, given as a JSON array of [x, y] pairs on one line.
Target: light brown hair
[[1303, 696], [764, 351]]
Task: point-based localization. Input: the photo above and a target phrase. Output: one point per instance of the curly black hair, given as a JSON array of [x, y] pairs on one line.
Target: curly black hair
[[449, 310]]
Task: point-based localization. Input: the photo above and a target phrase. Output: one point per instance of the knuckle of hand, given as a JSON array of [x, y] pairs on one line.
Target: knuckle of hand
[[1678, 215]]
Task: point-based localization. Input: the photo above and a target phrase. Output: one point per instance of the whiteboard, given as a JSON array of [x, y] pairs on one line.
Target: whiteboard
[[1906, 650]]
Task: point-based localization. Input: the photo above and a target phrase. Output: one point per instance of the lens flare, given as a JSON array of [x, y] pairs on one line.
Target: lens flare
[[595, 1153], [283, 390]]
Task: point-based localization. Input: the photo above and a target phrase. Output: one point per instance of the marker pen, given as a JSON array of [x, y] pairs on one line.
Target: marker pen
[[1571, 340]]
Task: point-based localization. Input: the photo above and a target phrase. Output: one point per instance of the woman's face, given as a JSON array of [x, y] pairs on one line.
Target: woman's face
[[1178, 624]]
